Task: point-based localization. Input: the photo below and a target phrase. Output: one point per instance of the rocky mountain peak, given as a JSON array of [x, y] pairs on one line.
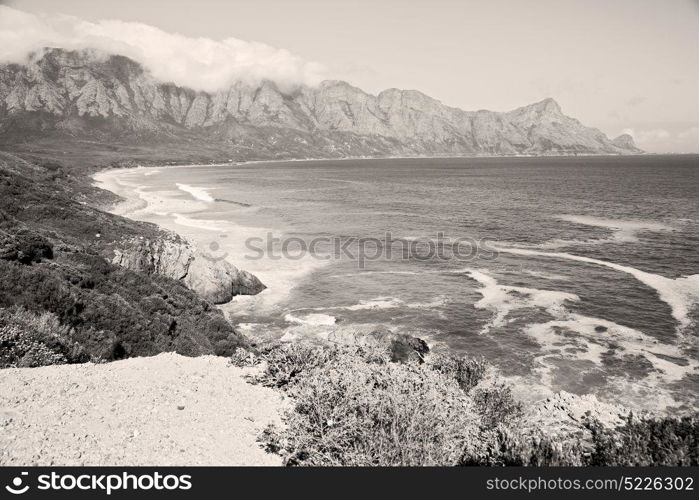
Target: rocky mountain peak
[[549, 105], [545, 108]]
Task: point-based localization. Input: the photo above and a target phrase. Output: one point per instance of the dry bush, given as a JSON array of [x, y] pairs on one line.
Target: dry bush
[[284, 362], [30, 340], [352, 406], [243, 358], [468, 372], [508, 444], [496, 404], [645, 442], [354, 412]]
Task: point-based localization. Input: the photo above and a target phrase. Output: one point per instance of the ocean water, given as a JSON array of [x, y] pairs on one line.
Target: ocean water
[[577, 274]]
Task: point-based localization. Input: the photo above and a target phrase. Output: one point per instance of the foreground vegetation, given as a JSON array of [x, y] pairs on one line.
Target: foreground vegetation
[[352, 406]]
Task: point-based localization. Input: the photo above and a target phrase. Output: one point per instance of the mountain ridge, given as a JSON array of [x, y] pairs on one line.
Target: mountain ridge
[[91, 95]]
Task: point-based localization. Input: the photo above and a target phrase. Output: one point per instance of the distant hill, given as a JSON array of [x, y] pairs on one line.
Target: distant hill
[[87, 95]]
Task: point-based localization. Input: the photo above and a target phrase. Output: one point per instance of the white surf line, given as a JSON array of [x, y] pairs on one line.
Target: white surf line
[[504, 299], [681, 294], [623, 230], [381, 303], [198, 193]]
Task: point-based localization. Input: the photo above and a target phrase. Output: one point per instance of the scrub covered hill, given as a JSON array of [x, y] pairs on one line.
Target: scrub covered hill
[[61, 298]]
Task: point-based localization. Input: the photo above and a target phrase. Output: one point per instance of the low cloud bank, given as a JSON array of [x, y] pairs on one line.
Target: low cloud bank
[[661, 140], [198, 63]]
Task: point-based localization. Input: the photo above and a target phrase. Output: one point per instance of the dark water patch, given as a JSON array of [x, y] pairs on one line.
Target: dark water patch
[[238, 203]]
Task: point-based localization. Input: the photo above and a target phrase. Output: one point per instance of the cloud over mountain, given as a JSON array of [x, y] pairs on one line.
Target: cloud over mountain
[[198, 63]]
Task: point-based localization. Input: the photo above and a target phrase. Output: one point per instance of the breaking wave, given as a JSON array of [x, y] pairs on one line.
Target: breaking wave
[[313, 319], [681, 294], [199, 193]]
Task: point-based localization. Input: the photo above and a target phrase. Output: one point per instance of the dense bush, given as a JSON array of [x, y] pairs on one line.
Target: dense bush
[[25, 247], [52, 261], [29, 340], [351, 412], [509, 444], [285, 362], [644, 441], [353, 406], [466, 371], [496, 405]]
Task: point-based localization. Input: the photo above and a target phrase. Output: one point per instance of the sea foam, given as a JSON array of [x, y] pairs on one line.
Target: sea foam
[[313, 319], [681, 294], [624, 231], [502, 300], [577, 337], [199, 193], [393, 303]]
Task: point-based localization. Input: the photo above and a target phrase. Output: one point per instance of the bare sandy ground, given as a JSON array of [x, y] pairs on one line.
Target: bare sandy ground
[[163, 410]]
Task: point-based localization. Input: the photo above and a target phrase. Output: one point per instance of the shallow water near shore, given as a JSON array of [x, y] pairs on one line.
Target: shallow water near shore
[[577, 274]]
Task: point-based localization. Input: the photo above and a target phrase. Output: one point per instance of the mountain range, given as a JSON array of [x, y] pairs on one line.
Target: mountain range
[[88, 95]]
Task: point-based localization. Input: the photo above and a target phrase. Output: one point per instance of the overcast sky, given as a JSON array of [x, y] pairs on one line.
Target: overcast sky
[[620, 65]]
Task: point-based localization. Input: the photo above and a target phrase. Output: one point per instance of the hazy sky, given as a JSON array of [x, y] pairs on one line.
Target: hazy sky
[[620, 65]]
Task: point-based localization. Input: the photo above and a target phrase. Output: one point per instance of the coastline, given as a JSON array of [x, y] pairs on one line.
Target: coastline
[[242, 310], [217, 163], [220, 239], [209, 385]]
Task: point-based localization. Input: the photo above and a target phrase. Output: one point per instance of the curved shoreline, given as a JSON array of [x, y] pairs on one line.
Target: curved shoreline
[[323, 322], [226, 236]]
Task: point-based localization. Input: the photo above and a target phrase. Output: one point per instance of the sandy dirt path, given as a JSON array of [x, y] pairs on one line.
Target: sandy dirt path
[[163, 410]]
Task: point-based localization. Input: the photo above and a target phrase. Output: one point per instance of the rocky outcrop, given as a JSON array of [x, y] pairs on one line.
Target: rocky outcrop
[[219, 281], [626, 141], [87, 95], [174, 257], [167, 256]]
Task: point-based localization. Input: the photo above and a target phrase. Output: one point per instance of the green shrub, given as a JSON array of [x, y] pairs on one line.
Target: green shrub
[[25, 247], [514, 446], [51, 261], [496, 405], [644, 442], [30, 340], [468, 372]]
